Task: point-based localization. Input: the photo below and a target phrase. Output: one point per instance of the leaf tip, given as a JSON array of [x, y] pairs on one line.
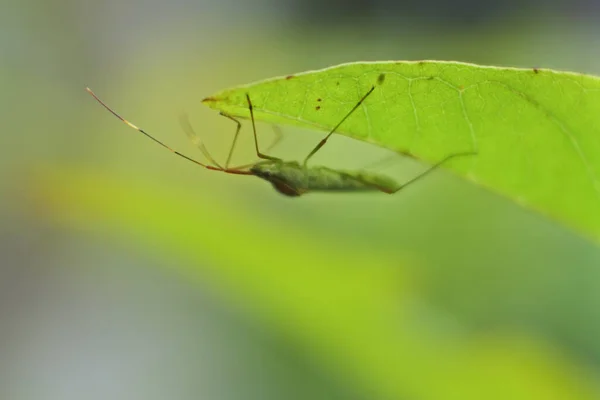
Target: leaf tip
[[209, 99]]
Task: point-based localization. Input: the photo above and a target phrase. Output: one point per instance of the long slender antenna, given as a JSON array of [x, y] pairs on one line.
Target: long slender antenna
[[211, 167]]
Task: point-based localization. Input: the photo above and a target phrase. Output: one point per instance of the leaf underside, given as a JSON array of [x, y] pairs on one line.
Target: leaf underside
[[536, 132]]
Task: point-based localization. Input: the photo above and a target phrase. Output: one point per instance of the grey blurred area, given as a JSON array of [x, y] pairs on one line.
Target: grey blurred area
[[457, 14], [88, 312]]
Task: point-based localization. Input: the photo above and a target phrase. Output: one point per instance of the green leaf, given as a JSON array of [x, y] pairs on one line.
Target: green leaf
[[536, 131]]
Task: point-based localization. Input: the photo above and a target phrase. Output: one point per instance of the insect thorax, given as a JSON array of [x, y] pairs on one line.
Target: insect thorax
[[292, 179]]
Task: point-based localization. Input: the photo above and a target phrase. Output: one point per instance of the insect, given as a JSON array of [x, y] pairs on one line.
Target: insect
[[291, 178]]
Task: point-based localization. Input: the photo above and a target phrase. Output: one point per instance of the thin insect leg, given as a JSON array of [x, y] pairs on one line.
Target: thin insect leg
[[426, 172], [381, 162], [235, 138], [211, 167], [278, 137], [189, 131], [258, 153], [237, 170], [324, 140]]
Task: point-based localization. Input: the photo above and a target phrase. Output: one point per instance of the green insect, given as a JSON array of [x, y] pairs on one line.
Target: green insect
[[291, 178]]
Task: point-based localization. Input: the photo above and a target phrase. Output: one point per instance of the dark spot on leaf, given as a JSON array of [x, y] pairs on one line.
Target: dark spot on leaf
[[535, 70], [289, 77], [337, 83], [210, 100], [317, 108], [318, 99], [430, 78], [380, 79], [421, 62]]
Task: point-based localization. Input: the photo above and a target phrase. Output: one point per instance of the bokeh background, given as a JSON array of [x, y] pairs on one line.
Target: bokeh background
[[128, 273]]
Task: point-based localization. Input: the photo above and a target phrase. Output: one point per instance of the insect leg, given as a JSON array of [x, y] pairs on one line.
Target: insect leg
[[274, 143], [258, 153], [278, 137], [235, 137], [426, 172], [380, 163], [195, 139], [324, 140]]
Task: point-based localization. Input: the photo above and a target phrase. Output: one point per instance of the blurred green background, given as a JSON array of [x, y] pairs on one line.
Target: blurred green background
[[127, 273]]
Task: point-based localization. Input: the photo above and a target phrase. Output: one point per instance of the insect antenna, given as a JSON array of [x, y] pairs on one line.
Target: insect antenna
[[215, 167]]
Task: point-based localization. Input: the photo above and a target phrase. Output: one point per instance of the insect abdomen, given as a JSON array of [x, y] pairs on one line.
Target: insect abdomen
[[325, 179]]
